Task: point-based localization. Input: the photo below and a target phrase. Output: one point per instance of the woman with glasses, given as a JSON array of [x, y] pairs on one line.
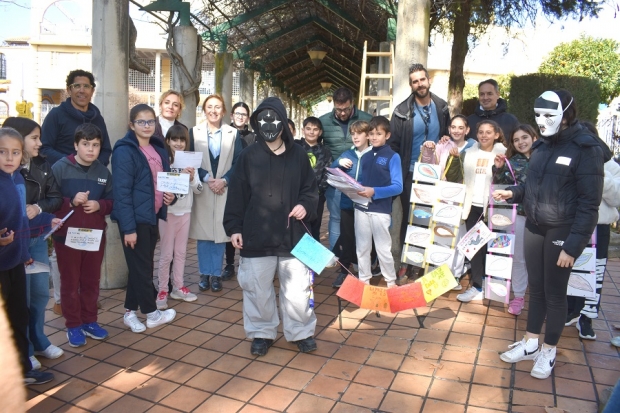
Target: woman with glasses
[[171, 105], [240, 118], [220, 148]]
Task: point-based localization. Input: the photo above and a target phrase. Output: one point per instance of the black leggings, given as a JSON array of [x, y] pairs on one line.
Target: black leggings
[[478, 260], [141, 291], [546, 280]]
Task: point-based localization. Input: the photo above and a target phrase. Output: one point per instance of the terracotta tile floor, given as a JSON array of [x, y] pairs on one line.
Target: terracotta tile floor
[[443, 358]]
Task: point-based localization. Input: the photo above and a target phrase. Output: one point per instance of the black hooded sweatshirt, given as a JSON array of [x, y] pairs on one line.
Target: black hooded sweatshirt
[[263, 190], [507, 121]]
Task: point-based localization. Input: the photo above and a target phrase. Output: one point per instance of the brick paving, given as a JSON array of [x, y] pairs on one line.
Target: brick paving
[[443, 358]]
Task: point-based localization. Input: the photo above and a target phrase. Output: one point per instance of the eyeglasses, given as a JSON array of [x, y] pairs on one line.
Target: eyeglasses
[[427, 112], [142, 123], [78, 86], [343, 110], [240, 115]]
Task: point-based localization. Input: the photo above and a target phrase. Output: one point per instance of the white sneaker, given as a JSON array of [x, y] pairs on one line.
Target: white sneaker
[[458, 287], [521, 350], [131, 320], [51, 352], [157, 317], [184, 294], [36, 364], [544, 363], [471, 294]]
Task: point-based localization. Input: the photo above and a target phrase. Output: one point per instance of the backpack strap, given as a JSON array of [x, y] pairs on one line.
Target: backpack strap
[[191, 140]]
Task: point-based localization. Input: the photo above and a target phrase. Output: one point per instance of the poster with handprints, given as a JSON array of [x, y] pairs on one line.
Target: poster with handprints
[[474, 239], [497, 289], [438, 255], [375, 298], [423, 194], [586, 261], [413, 255], [448, 214], [418, 236], [582, 284], [498, 266], [450, 192], [426, 172], [502, 244]]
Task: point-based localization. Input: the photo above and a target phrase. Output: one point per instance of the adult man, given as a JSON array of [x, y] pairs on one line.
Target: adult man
[[491, 107], [337, 138], [274, 189], [58, 130], [422, 117]]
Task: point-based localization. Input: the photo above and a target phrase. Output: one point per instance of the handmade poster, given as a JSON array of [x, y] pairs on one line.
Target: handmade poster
[[426, 172], [312, 253], [351, 290], [173, 182], [447, 214], [413, 255], [502, 244], [423, 194], [184, 159], [492, 201], [474, 239], [437, 282], [586, 261], [421, 215], [497, 289], [418, 236], [347, 185], [582, 284], [451, 192], [438, 255], [501, 218], [83, 239], [37, 267], [444, 234], [341, 176], [375, 298], [499, 266], [406, 297]]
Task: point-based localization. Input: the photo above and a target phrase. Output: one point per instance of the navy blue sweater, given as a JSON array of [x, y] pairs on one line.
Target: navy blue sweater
[[381, 170]]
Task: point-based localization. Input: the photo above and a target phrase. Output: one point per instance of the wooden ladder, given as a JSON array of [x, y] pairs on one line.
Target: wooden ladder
[[364, 98]]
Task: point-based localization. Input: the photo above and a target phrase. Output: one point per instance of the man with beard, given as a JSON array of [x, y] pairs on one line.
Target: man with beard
[[492, 107], [422, 117]]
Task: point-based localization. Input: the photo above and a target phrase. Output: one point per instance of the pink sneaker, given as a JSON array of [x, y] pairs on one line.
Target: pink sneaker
[[516, 305]]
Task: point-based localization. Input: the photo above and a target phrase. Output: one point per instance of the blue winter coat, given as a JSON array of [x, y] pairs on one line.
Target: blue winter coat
[[134, 192]]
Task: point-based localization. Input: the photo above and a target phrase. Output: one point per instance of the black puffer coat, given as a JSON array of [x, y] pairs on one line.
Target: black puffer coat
[[564, 185], [507, 121], [41, 186]]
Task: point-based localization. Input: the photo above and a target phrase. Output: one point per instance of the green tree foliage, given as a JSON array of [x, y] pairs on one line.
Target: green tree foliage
[[590, 57]]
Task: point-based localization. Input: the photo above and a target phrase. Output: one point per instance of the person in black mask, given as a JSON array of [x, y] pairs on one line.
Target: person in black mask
[[275, 197]]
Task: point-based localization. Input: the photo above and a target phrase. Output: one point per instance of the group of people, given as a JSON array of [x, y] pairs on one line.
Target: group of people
[[260, 190]]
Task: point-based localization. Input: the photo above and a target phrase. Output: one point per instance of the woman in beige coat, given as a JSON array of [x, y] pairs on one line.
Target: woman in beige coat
[[220, 148]]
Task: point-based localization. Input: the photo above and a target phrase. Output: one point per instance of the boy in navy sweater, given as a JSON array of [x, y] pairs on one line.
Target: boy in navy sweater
[[382, 179], [86, 187]]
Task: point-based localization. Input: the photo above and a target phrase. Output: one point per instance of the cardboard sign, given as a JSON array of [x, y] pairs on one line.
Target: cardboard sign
[[406, 297], [312, 253], [437, 282], [375, 298], [474, 240], [173, 182], [497, 289], [84, 239], [498, 266], [351, 290]]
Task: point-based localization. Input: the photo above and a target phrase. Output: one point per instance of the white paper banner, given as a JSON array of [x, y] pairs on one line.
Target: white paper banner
[[84, 239], [173, 182]]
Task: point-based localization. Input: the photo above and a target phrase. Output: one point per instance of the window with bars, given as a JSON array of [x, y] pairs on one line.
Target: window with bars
[[207, 85], [143, 82], [2, 66]]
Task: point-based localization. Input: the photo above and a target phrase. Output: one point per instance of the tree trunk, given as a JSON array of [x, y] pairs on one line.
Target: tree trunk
[[460, 47]]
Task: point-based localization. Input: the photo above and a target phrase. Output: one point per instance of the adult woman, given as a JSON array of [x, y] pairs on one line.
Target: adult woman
[[561, 197], [240, 117], [220, 148], [171, 105]]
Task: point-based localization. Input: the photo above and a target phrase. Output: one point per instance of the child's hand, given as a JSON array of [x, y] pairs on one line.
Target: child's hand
[[298, 212], [500, 160], [6, 237], [91, 206], [168, 198], [80, 198], [57, 221], [501, 195], [189, 170], [454, 152], [130, 240], [565, 260], [429, 144], [444, 139], [367, 192], [30, 261], [345, 163]]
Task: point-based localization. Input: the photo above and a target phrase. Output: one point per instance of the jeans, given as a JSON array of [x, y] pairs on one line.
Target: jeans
[[332, 197], [210, 256], [38, 294]]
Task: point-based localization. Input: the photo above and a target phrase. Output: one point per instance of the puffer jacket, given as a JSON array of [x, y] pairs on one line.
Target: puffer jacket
[[507, 121], [401, 127], [608, 210], [320, 158], [247, 136], [502, 176], [564, 185], [134, 192], [333, 137], [355, 171], [41, 186]]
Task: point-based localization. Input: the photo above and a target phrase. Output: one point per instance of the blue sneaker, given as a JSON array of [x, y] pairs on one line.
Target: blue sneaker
[[76, 337], [94, 330]]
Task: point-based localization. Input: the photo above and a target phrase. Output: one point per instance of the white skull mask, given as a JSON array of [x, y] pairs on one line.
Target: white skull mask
[[548, 111]]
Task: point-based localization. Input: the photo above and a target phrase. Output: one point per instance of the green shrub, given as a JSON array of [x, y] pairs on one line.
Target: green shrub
[[525, 89], [469, 106]]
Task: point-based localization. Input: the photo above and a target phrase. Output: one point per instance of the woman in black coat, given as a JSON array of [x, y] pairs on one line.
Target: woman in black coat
[[561, 197]]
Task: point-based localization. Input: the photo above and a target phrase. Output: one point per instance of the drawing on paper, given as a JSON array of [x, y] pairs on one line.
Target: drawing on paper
[[499, 264], [582, 260], [420, 213], [443, 231], [415, 257], [424, 195], [502, 241], [578, 282], [427, 171], [418, 238], [500, 220], [447, 212], [498, 289], [451, 192], [439, 257]]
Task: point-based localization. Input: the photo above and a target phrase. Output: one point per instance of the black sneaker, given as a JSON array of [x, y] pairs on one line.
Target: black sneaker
[[585, 328], [306, 345], [216, 284], [572, 318], [38, 377], [228, 273], [260, 346], [339, 280], [204, 284], [376, 271]]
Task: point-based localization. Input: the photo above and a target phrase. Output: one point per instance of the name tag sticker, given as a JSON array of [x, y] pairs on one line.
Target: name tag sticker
[[563, 160]]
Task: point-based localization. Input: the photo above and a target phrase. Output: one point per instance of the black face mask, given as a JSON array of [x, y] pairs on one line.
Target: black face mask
[[270, 125]]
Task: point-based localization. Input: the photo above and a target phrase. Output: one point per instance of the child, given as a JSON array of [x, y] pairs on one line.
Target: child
[[320, 157], [86, 187], [459, 128], [473, 167], [174, 230], [291, 126], [350, 162], [136, 160], [14, 240], [382, 179], [42, 195], [518, 155]]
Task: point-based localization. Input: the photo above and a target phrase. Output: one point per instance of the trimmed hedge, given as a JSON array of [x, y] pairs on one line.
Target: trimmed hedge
[[469, 106], [525, 89]]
